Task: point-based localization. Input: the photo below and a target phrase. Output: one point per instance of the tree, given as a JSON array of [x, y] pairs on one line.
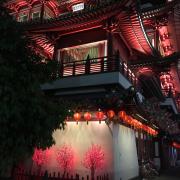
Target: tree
[[94, 159], [27, 116], [65, 158]]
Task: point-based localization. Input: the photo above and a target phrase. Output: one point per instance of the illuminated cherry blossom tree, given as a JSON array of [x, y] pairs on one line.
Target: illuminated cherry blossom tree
[[94, 159], [40, 157], [65, 158]]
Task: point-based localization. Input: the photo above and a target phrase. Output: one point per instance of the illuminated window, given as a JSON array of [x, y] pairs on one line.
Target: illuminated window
[[90, 50], [76, 59]]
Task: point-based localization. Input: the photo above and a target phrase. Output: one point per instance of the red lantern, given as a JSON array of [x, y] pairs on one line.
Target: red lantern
[[87, 116], [126, 118], [110, 114], [139, 125], [122, 114], [145, 128], [77, 116], [99, 115]]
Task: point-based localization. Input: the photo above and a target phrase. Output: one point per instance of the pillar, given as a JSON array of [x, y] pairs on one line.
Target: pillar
[[125, 158]]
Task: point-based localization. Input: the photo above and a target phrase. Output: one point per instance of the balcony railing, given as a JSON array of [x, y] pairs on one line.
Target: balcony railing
[[95, 66]]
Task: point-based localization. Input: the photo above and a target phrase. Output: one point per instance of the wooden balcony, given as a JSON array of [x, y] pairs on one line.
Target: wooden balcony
[[96, 66], [91, 76]]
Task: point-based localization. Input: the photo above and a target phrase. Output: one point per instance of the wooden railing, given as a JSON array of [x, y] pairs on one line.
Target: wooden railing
[[96, 65]]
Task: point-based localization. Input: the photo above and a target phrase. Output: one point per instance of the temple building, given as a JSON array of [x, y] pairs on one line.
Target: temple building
[[119, 69]]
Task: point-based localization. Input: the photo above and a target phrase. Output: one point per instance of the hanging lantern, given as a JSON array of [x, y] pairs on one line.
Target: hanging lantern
[[131, 121], [145, 128], [126, 118], [77, 116], [110, 114], [87, 116], [99, 115], [121, 114], [139, 125], [134, 123]]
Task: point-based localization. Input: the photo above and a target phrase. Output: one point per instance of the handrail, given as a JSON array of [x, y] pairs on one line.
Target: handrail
[[92, 59], [96, 65]]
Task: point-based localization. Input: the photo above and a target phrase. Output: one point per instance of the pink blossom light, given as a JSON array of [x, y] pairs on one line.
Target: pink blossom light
[[94, 157], [41, 157], [65, 158]]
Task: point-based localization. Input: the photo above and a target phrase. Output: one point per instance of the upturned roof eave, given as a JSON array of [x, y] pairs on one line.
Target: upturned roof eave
[[65, 21]]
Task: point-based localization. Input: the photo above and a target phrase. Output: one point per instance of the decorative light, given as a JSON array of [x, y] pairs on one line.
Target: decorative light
[[87, 116], [94, 159], [134, 122], [122, 114], [126, 118], [99, 115], [110, 114], [77, 116]]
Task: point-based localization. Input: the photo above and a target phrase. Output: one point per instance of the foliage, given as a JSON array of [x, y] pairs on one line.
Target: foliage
[[94, 159], [65, 158], [27, 117]]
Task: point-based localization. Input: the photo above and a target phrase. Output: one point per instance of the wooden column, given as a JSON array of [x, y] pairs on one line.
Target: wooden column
[[42, 11], [55, 52], [110, 43], [30, 13], [110, 50]]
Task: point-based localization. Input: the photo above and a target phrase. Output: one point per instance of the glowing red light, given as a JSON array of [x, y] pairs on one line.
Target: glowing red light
[[77, 116], [122, 114], [110, 114], [99, 115], [94, 159], [40, 157], [136, 124], [87, 116], [176, 145], [65, 158]]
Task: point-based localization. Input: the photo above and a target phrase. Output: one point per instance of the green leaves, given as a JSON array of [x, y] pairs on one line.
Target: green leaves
[[27, 117]]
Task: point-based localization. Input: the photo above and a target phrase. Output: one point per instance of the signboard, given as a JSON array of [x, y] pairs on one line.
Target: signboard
[[78, 7]]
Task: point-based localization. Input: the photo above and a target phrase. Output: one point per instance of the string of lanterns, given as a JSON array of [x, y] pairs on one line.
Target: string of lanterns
[[136, 124], [111, 115]]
